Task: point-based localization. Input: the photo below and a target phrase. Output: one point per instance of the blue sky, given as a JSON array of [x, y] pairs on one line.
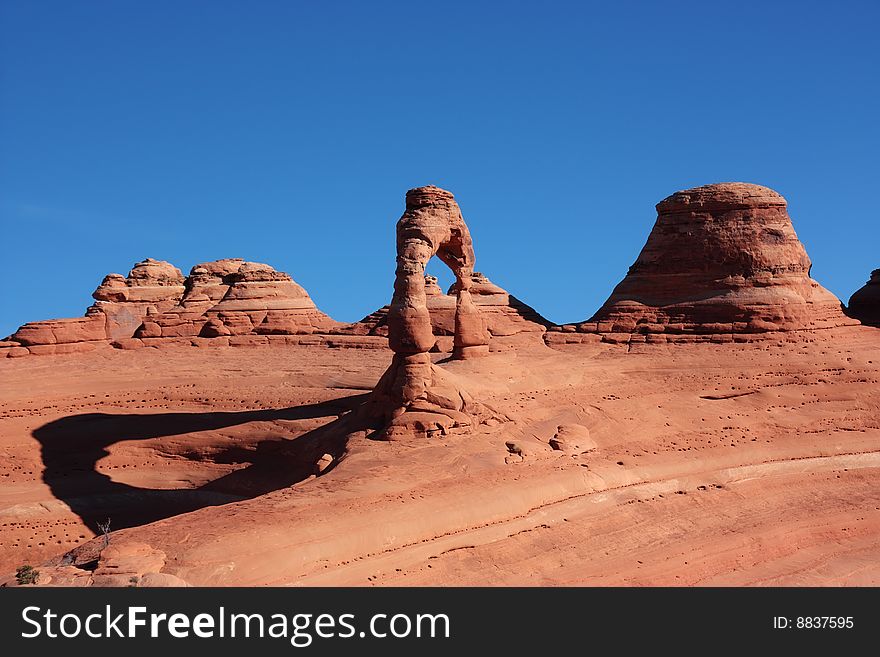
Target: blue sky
[[288, 132]]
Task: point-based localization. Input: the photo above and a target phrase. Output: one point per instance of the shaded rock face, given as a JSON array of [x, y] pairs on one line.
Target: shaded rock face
[[415, 398], [721, 259], [864, 305], [236, 297], [503, 314]]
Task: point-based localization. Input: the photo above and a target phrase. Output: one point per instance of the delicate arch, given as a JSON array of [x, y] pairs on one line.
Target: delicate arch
[[431, 225]]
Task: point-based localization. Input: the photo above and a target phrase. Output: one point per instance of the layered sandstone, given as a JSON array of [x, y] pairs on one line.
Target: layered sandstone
[[205, 286], [503, 314], [235, 297], [152, 286], [864, 305], [121, 303], [61, 331], [230, 297], [722, 259], [767, 456]]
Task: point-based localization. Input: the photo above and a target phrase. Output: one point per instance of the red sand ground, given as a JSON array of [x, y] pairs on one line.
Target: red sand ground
[[733, 464]]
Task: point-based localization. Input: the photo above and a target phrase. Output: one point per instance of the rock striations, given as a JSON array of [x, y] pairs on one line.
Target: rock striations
[[121, 303], [152, 286], [721, 260], [156, 305], [864, 305], [503, 313], [233, 297], [722, 264]]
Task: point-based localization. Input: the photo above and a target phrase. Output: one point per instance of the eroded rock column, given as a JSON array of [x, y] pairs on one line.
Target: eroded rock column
[[413, 387]]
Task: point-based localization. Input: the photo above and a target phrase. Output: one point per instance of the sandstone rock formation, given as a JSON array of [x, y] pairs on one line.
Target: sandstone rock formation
[[766, 454], [415, 397], [864, 305], [432, 225], [69, 330], [722, 260], [131, 564], [151, 286], [235, 297], [205, 286], [121, 303], [503, 313], [228, 297]]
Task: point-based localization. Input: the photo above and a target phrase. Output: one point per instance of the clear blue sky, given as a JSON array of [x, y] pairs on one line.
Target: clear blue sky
[[287, 132]]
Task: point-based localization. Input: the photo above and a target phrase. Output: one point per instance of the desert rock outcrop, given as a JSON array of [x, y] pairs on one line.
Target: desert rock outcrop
[[235, 297], [415, 397], [121, 303], [721, 259], [229, 297], [503, 314], [864, 305], [68, 330], [124, 301]]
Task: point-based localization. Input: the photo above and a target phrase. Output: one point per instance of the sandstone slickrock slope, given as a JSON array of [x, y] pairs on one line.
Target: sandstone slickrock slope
[[864, 305], [694, 464], [722, 260]]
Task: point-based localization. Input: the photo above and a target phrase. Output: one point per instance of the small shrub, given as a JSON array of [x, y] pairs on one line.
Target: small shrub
[[26, 575], [105, 530]]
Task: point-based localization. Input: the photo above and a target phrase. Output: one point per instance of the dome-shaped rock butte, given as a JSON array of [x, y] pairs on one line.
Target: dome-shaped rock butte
[[156, 305], [235, 297], [864, 305], [722, 260]]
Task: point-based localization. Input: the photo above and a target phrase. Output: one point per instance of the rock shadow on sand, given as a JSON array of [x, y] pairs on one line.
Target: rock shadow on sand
[[71, 447]]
